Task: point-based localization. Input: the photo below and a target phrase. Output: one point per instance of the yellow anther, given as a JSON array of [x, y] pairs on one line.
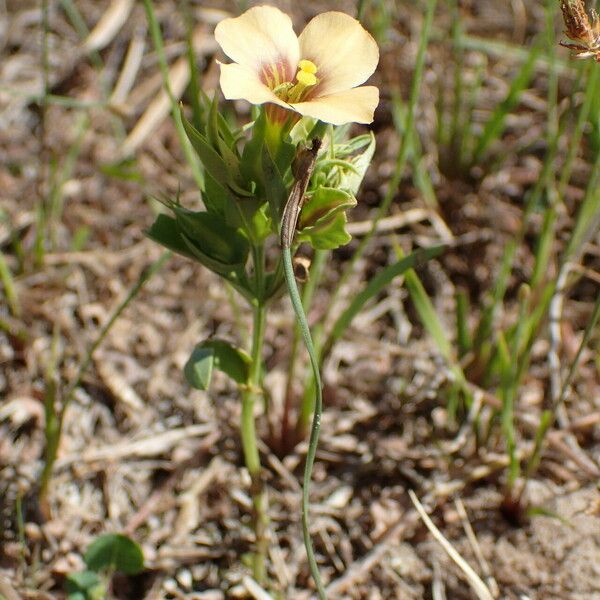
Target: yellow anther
[[306, 78], [307, 66]]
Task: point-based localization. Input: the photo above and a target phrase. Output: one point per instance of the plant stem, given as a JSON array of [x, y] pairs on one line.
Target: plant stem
[[307, 404], [12, 297], [250, 394], [316, 422]]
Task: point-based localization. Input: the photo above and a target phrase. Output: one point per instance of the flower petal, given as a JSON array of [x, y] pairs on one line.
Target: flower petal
[[351, 106], [261, 36], [242, 82], [345, 53]]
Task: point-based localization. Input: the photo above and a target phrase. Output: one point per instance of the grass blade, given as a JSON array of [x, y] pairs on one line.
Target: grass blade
[[495, 125], [374, 287]]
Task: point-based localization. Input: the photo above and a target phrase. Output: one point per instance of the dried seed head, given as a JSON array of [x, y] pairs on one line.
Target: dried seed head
[[577, 22], [585, 33]]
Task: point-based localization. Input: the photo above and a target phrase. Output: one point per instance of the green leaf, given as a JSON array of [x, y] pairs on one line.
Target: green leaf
[[285, 155], [213, 162], [301, 131], [209, 157], [225, 270], [81, 581], [198, 368], [351, 179], [218, 354], [329, 236], [252, 216], [227, 150], [114, 551], [212, 127], [260, 221], [216, 198], [428, 315], [212, 236], [166, 232], [352, 146], [275, 189], [251, 154], [324, 204]]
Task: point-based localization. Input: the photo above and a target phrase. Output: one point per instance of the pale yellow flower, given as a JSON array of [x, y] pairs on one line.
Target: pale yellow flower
[[315, 74]]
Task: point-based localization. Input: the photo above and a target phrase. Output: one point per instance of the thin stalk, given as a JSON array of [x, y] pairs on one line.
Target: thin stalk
[[455, 138], [586, 338], [42, 208], [251, 393], [361, 9], [194, 70], [316, 423], [7, 280], [582, 118], [308, 291], [56, 199]]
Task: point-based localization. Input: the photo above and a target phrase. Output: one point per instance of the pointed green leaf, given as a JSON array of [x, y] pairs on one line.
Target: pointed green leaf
[[212, 236], [251, 154], [275, 189], [252, 216], [209, 157], [228, 271], [212, 128], [351, 179], [352, 146], [226, 150], [213, 162], [166, 232], [216, 197]]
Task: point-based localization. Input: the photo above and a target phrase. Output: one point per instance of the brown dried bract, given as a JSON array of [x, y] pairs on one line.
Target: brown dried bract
[[579, 29]]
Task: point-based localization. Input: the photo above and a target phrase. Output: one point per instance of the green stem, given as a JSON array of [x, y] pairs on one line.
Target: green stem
[[10, 291], [250, 394], [316, 423], [316, 272], [52, 433]]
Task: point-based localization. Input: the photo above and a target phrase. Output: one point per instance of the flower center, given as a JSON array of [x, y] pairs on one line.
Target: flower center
[[305, 79]]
